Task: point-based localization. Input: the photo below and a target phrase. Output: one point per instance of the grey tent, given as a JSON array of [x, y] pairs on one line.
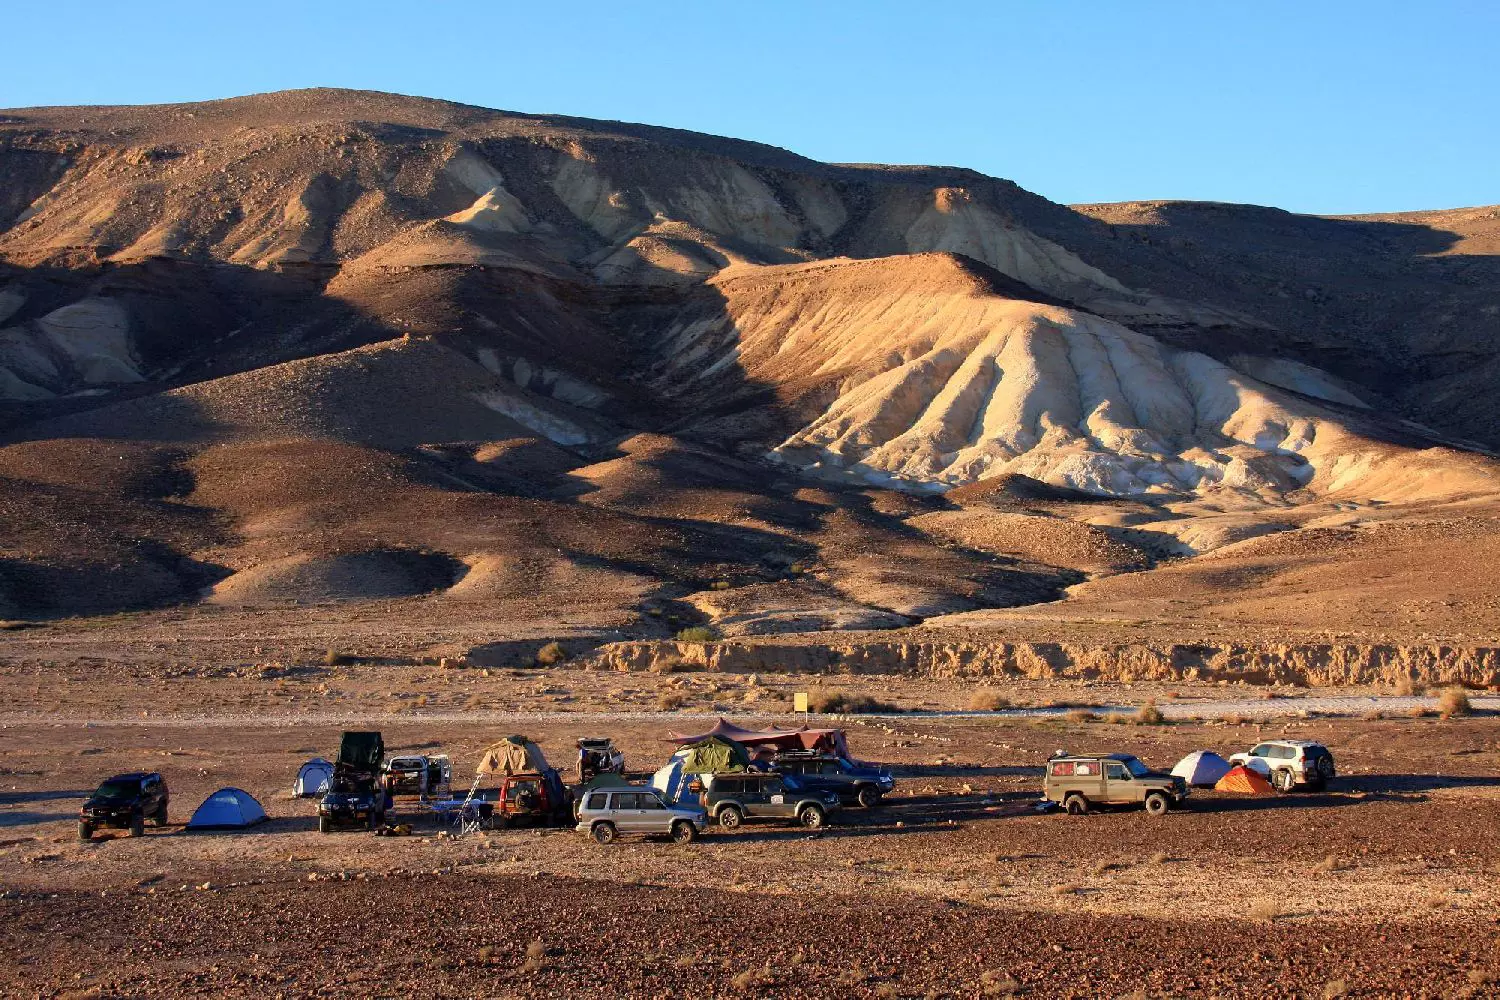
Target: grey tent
[[313, 778]]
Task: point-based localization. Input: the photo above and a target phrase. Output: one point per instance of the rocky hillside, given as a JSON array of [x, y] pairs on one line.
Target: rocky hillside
[[331, 345]]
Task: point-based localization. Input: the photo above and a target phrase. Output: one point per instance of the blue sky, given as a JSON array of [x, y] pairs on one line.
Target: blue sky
[[1312, 106]]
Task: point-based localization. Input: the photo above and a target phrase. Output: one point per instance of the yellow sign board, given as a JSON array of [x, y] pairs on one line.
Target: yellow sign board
[[799, 701]]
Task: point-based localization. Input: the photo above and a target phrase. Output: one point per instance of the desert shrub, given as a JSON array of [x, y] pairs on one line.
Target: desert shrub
[[536, 949], [1159, 858], [1265, 910], [720, 585], [988, 700], [669, 701], [1232, 719], [1374, 715], [1117, 718], [826, 702], [1066, 890], [486, 953], [1335, 988], [1418, 712], [995, 983], [551, 654], [697, 633], [333, 658], [1454, 701], [1328, 864], [1407, 687], [1103, 868], [1149, 715], [1082, 715]]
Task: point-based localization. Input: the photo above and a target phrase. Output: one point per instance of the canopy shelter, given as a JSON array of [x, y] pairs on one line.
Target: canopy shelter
[[1245, 781], [827, 740], [1202, 768], [227, 809], [512, 755], [313, 778]]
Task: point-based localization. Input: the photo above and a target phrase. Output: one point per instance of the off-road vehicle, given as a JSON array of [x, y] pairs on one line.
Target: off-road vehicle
[[125, 802], [1290, 763], [355, 794], [534, 799], [598, 755], [730, 799], [417, 774], [851, 782], [1080, 782], [605, 813]]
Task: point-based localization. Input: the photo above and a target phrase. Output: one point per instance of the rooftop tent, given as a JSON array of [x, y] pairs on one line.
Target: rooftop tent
[[1202, 768], [1245, 781], [830, 740], [512, 755], [364, 751], [228, 808], [713, 756], [313, 778]]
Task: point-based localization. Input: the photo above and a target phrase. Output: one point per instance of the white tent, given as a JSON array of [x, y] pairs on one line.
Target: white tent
[[1202, 768], [313, 778], [227, 808]]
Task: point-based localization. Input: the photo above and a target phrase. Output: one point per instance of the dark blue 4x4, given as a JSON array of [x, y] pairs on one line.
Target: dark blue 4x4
[[862, 783], [125, 801]]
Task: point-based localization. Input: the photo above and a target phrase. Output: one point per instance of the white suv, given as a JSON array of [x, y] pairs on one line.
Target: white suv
[[1289, 763]]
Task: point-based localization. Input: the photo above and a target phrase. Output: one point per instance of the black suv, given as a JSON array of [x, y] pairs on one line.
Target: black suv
[[851, 782], [125, 801], [355, 794]]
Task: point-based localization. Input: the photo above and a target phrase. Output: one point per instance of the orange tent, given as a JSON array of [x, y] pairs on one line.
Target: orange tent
[[1242, 779]]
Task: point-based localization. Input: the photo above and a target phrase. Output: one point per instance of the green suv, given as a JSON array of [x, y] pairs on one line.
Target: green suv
[[730, 799]]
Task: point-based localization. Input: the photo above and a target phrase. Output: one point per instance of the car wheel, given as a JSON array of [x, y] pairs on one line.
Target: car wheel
[[1286, 779], [604, 833], [684, 832], [324, 824], [730, 817], [1157, 804], [869, 796], [811, 817], [160, 819], [137, 825], [1076, 804], [85, 831]]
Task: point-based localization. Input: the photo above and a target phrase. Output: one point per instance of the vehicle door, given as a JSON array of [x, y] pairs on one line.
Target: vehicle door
[[1118, 785], [627, 812], [1088, 778], [653, 814], [773, 797], [151, 794]]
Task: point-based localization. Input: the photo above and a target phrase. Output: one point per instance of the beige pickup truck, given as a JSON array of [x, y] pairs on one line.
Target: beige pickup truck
[[1080, 782]]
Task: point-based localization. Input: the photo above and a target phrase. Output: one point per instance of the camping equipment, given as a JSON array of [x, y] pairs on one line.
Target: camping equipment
[[1245, 781], [312, 778], [1202, 768], [228, 808]]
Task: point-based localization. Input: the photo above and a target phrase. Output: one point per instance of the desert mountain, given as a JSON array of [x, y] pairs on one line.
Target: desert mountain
[[331, 345]]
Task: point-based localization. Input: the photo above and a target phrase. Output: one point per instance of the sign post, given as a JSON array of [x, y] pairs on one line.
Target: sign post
[[799, 702]]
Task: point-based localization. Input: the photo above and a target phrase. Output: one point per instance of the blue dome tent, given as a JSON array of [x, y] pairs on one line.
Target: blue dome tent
[[227, 809]]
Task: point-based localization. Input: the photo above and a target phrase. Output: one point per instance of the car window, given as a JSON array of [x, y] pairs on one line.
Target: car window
[[831, 769], [1285, 753], [649, 801], [1062, 769], [729, 786], [1115, 770], [1088, 768], [597, 800], [1263, 750]]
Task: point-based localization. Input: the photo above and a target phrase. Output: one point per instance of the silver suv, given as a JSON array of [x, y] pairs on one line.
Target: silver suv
[[608, 812], [1289, 763]]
